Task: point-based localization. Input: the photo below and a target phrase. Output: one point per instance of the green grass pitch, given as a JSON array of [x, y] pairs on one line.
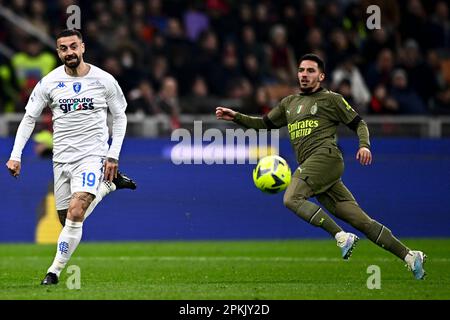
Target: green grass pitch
[[228, 270]]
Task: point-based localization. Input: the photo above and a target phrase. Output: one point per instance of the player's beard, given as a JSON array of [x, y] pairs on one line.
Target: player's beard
[[74, 63], [309, 87]]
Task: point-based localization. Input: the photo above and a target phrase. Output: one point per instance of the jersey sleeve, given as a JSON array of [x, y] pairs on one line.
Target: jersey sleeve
[[342, 111], [38, 100], [114, 97], [278, 114], [117, 105], [36, 103]]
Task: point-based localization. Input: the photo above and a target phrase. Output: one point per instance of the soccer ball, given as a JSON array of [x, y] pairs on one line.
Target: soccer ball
[[272, 174]]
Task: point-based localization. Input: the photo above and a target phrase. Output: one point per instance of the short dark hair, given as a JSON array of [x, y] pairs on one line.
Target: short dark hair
[[69, 33], [315, 58]]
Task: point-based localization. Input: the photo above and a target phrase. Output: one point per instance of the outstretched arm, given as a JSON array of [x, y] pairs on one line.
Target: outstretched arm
[[264, 122]]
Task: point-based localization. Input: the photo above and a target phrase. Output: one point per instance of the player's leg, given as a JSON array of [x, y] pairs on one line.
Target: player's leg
[[121, 182], [295, 198], [347, 209], [70, 235], [85, 180], [346, 241]]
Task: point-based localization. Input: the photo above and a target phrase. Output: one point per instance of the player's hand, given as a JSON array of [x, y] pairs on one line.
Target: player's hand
[[225, 114], [364, 156], [110, 169], [13, 167]]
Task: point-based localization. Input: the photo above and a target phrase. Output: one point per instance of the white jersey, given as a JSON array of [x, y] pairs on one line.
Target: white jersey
[[79, 106]]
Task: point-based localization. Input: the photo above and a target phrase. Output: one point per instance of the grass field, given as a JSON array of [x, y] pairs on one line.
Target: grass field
[[300, 269]]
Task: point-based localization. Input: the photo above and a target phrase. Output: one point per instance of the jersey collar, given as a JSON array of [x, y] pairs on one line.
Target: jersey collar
[[310, 93]]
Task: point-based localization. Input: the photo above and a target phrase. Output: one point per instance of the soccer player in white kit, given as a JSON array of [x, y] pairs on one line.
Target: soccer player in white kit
[[85, 167]]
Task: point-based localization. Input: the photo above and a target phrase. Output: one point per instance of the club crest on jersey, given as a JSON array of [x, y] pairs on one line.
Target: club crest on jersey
[[77, 87], [314, 109]]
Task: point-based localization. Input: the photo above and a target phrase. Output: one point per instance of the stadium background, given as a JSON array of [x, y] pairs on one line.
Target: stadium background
[[177, 60]]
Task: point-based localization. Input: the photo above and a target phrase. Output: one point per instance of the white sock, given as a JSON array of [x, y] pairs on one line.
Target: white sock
[[339, 235], [105, 188], [68, 240], [409, 257]]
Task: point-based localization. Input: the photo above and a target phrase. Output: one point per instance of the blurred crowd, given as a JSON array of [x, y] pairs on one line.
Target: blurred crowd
[[186, 57]]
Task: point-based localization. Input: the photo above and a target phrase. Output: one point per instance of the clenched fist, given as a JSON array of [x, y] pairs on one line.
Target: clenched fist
[[13, 167]]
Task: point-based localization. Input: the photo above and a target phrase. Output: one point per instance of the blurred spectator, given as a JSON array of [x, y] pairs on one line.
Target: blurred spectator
[[342, 49], [195, 20], [179, 49], [231, 70], [249, 46], [378, 40], [167, 101], [43, 144], [159, 70], [344, 87], [380, 71], [38, 16], [156, 16], [314, 41], [440, 103], [381, 102], [416, 68], [206, 61], [439, 35], [9, 88], [359, 92], [332, 18], [198, 100], [252, 70], [414, 22], [131, 73], [408, 101], [258, 103], [142, 100], [261, 22], [281, 56], [112, 65], [30, 67]]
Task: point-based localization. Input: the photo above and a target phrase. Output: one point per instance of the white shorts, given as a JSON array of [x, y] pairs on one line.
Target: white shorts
[[83, 175]]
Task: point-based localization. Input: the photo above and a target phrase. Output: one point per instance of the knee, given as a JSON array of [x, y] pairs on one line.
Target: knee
[[293, 202], [364, 225], [78, 206], [75, 213]]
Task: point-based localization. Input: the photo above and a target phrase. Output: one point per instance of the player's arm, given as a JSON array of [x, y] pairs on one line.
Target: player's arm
[[34, 107], [117, 105], [346, 114], [275, 119], [362, 130]]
